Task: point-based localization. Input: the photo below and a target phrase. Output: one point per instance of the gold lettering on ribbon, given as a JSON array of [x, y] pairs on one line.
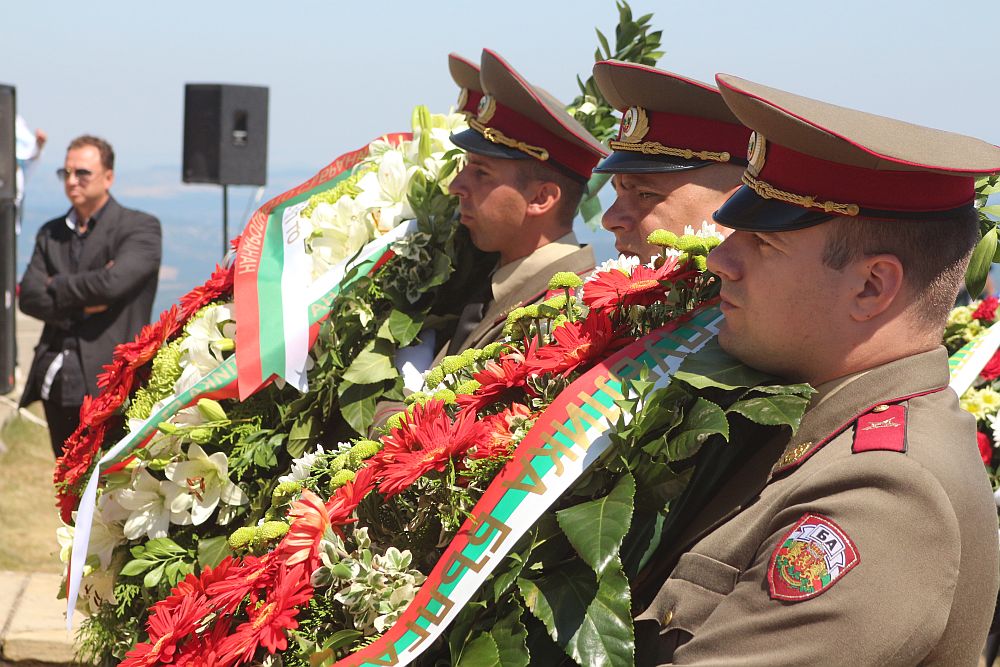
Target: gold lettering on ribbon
[[435, 619], [536, 484], [493, 525]]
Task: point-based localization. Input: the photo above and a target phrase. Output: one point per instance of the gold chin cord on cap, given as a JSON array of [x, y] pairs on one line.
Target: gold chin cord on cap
[[768, 191], [656, 148], [497, 137]]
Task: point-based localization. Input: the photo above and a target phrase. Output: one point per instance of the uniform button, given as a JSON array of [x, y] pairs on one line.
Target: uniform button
[[669, 616], [880, 408]]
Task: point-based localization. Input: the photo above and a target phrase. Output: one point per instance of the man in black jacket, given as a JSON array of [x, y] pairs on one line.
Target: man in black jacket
[[92, 279]]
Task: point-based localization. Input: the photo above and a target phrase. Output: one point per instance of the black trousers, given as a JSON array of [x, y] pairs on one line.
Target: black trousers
[[63, 420]]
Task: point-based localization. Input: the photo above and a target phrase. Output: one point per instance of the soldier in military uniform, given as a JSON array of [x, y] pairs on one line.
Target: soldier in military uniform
[[528, 162], [869, 537], [678, 156]]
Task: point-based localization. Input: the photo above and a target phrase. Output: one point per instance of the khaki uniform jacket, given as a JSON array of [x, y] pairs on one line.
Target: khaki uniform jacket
[[525, 281], [922, 521]]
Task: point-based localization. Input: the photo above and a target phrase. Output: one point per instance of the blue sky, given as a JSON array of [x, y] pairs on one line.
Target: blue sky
[[343, 73]]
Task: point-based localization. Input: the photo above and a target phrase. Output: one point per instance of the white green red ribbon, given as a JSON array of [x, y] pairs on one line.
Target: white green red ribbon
[[965, 365], [270, 269], [566, 439]]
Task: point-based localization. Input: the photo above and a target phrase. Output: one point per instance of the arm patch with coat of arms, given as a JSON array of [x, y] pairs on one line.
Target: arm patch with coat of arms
[[811, 557]]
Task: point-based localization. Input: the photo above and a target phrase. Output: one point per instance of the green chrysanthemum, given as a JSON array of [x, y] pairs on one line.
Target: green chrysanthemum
[[434, 377], [468, 387], [662, 238], [270, 531], [395, 420], [362, 450], [446, 395], [491, 351], [285, 492], [241, 538], [565, 280], [692, 245], [341, 478]]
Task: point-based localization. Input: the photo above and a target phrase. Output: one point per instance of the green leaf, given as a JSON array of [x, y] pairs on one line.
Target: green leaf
[[303, 430], [512, 639], [480, 651], [163, 546], [596, 528], [704, 419], [711, 366], [775, 410], [212, 550], [402, 327], [560, 599], [979, 264], [154, 576], [993, 209], [357, 404], [794, 389], [606, 636], [137, 566], [370, 367]]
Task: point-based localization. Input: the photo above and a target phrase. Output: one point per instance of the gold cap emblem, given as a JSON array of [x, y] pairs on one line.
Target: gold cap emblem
[[635, 125], [487, 107], [756, 153]]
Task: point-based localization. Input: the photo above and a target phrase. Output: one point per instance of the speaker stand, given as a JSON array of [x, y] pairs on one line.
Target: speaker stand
[[225, 219]]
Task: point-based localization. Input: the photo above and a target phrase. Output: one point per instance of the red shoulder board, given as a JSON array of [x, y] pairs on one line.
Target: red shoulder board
[[882, 429], [811, 557]]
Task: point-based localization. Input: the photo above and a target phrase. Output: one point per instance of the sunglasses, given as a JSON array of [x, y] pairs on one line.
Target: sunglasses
[[82, 175]]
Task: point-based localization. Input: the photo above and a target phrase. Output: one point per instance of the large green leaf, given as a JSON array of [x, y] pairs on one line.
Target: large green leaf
[[702, 420], [979, 264], [480, 651], [402, 327], [560, 599], [711, 366], [357, 404], [212, 550], [606, 636], [370, 366], [596, 528], [775, 410], [511, 638]]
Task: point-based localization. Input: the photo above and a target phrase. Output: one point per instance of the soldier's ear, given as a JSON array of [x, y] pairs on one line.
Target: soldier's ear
[[544, 198], [876, 281]]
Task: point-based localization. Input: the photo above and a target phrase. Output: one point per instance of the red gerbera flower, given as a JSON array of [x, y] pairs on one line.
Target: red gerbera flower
[[426, 441], [347, 498], [497, 381], [242, 579], [611, 289], [987, 310], [269, 618], [576, 344], [167, 626], [985, 447], [501, 436]]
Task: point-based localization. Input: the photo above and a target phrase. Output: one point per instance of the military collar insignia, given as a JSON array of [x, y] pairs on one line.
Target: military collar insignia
[[487, 107], [810, 558], [756, 153], [634, 126]]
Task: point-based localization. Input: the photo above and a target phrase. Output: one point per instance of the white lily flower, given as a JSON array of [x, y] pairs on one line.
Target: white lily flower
[[624, 263], [105, 533], [706, 230], [338, 231], [148, 501], [384, 192], [200, 348], [204, 481]]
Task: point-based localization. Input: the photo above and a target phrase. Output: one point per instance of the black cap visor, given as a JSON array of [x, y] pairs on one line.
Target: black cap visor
[[474, 142], [747, 211], [626, 162]]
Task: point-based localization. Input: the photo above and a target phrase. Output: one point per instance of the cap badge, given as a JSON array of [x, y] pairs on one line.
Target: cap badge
[[756, 153], [635, 125], [487, 107], [463, 98]]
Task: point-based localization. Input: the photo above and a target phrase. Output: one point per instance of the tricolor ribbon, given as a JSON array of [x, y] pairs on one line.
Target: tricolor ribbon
[[965, 365], [271, 269]]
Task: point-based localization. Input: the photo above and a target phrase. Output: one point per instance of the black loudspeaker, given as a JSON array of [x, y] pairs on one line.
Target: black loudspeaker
[[8, 283], [225, 134], [8, 164]]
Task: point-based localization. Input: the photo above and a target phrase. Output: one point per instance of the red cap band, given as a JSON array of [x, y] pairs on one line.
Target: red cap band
[[471, 101], [803, 175], [521, 128], [694, 133]]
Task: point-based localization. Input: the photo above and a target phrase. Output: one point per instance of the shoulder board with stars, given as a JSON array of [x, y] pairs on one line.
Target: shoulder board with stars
[[811, 557]]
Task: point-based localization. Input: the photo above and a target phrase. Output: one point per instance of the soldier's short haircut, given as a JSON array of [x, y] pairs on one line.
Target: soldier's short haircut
[[934, 254], [103, 147], [570, 188]]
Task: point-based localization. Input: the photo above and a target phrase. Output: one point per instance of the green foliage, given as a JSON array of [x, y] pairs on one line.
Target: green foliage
[[158, 558], [596, 528], [987, 250], [166, 370]]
